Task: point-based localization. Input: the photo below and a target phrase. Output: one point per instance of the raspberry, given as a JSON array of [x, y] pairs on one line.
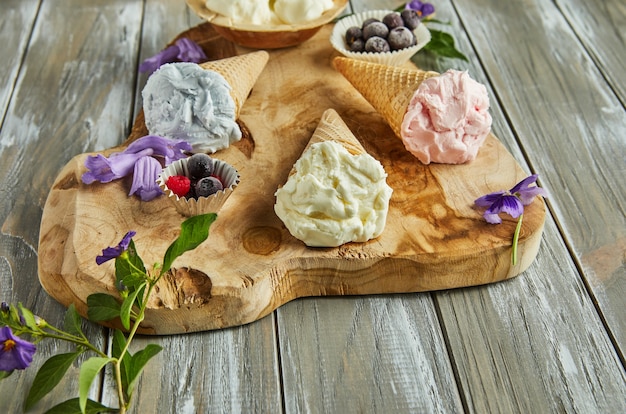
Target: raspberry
[[179, 184]]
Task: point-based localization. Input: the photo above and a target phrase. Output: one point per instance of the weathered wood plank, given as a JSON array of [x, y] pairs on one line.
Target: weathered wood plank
[[365, 354], [16, 24], [69, 96], [601, 27], [573, 130], [543, 324], [232, 370], [494, 356]]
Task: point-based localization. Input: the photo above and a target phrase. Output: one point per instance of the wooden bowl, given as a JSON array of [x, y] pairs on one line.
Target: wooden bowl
[[265, 37]]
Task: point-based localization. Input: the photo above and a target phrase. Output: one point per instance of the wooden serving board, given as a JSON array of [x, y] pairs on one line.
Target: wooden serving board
[[434, 238]]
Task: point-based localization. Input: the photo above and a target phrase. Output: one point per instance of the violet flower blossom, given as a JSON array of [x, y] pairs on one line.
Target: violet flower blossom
[[120, 164], [423, 9], [114, 252], [511, 202], [183, 50], [147, 170], [171, 149], [15, 353]]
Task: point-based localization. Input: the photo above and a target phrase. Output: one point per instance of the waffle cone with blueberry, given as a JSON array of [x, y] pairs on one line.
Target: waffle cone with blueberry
[[241, 72], [388, 89]]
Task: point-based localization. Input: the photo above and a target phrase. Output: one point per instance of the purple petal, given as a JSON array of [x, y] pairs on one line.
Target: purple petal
[[524, 183], [146, 173], [508, 204], [492, 218], [167, 55], [189, 51], [105, 170], [489, 199], [114, 252], [414, 5], [427, 10], [171, 149], [528, 195], [15, 353]]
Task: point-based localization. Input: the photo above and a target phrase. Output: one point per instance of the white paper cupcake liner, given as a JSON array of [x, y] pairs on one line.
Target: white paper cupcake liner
[[192, 207], [393, 58]]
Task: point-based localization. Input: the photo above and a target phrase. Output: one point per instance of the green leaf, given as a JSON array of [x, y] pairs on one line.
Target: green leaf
[[193, 231], [119, 342], [29, 318], [73, 322], [5, 374], [102, 307], [442, 44], [139, 361], [73, 407], [88, 372], [127, 306], [48, 376], [129, 268]]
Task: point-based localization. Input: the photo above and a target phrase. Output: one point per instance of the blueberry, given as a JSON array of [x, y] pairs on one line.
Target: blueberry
[[393, 20], [207, 186], [376, 44], [352, 34], [400, 37], [357, 46], [199, 165], [375, 29], [410, 18], [369, 21]]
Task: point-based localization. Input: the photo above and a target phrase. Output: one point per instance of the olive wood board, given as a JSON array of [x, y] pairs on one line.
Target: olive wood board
[[435, 238]]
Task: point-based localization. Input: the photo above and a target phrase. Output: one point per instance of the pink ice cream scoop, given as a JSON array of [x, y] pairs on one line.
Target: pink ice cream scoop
[[447, 119]]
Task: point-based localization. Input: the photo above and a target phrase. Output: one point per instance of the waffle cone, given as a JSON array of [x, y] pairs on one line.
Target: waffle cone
[[332, 128], [241, 73], [388, 89]]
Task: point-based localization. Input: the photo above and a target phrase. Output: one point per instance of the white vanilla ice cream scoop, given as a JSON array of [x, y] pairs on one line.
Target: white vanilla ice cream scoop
[[185, 101], [301, 11], [334, 197], [259, 12], [240, 11]]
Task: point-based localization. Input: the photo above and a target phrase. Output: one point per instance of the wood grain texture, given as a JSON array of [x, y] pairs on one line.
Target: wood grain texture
[[368, 354], [534, 343], [601, 27], [67, 97], [565, 95], [230, 370], [432, 239], [17, 22]]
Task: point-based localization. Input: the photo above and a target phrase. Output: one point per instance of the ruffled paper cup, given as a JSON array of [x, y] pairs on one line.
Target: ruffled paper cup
[[393, 58], [188, 207]]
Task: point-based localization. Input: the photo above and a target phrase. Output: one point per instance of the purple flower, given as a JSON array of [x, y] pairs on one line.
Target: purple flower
[[118, 165], [147, 170], [511, 202], [138, 159], [423, 9], [170, 149], [114, 252], [183, 50], [15, 353]]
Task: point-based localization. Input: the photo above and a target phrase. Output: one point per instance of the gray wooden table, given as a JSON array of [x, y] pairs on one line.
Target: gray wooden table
[[550, 340]]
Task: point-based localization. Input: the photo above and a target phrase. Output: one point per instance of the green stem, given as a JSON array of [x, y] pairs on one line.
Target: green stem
[[516, 240], [118, 371]]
